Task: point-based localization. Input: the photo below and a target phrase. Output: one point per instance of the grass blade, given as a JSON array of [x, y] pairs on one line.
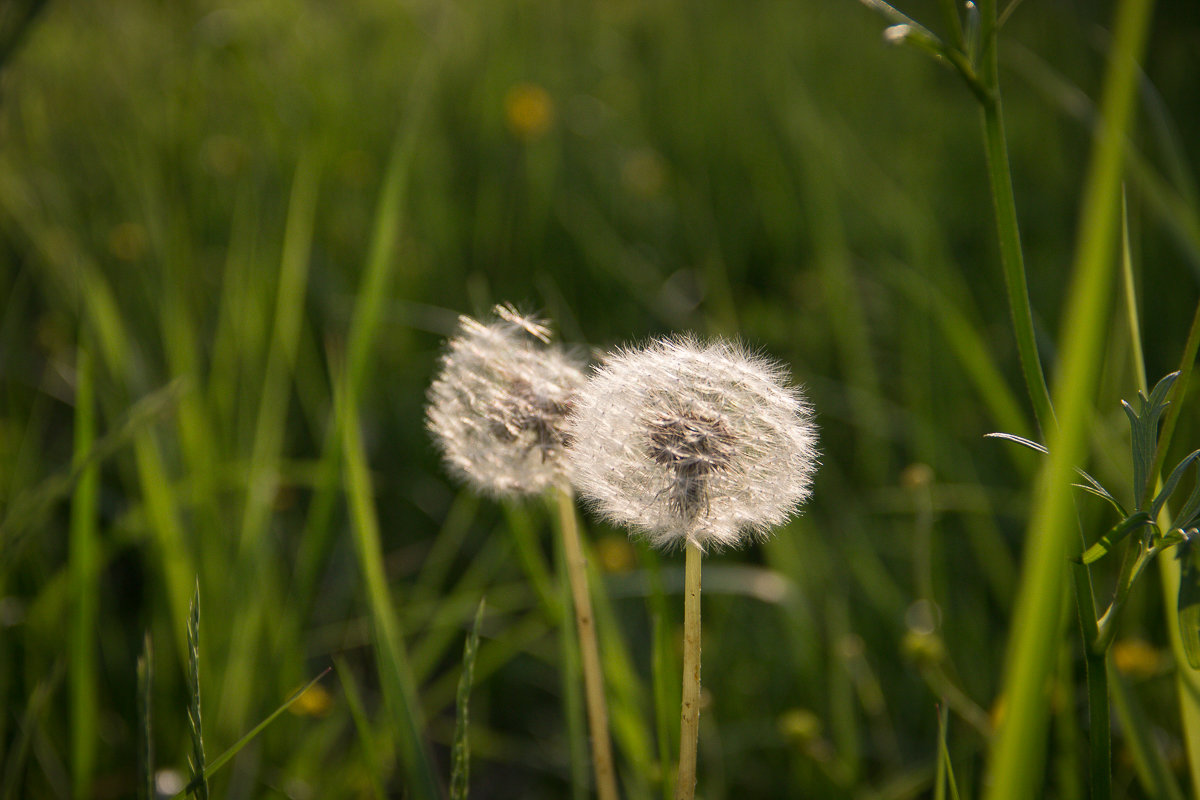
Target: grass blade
[[460, 758], [201, 780], [362, 725], [223, 758], [199, 783], [395, 673], [1018, 747]]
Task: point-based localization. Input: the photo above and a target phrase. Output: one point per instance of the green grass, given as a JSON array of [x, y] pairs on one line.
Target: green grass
[[233, 238]]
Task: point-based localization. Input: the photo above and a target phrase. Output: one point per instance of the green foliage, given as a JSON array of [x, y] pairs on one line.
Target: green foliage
[[246, 226]]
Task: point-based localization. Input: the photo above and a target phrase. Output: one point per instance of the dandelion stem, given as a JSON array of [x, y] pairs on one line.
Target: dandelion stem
[[689, 722], [585, 623]]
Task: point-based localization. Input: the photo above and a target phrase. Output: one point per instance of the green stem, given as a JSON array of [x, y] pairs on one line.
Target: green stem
[[1011, 259], [1013, 265], [689, 721], [1187, 680], [1130, 568], [1015, 754], [585, 623]]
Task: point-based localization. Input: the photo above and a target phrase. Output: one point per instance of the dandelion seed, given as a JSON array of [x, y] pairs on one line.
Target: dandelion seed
[[692, 442], [498, 409], [499, 405]]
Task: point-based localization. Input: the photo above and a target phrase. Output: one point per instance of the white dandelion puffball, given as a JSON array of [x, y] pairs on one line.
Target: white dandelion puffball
[[499, 404], [696, 442]]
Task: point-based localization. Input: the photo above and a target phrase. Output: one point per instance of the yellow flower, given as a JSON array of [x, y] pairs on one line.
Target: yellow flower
[[528, 110], [316, 702], [1137, 659]]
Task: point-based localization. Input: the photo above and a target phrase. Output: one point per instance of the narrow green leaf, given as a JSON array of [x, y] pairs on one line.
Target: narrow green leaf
[[224, 758], [1189, 602], [362, 725], [391, 655], [1115, 534], [1190, 512], [1094, 486], [1021, 440], [945, 768], [460, 758], [1184, 517]]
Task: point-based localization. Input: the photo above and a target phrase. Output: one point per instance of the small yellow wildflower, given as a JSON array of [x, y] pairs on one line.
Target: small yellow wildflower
[[528, 110], [1137, 658]]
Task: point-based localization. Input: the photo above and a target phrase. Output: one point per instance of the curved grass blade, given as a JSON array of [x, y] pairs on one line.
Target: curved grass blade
[[1094, 486], [224, 758], [460, 757]]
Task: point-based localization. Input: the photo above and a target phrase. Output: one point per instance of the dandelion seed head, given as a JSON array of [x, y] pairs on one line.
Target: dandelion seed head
[[499, 404], [690, 441]]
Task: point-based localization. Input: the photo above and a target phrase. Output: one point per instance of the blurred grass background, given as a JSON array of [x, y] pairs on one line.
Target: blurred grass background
[[222, 223]]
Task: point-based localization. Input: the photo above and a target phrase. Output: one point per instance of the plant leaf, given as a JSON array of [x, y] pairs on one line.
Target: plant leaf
[[1143, 432], [1189, 602], [1115, 534], [1191, 508], [1021, 440], [1094, 486], [1169, 488]]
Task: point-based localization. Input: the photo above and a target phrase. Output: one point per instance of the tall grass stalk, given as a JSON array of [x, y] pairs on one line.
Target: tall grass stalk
[[689, 715], [84, 582], [1017, 752], [199, 782], [460, 754], [365, 319], [395, 674], [585, 623]]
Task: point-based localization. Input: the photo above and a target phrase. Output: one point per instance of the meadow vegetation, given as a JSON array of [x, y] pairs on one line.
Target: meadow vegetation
[[234, 238]]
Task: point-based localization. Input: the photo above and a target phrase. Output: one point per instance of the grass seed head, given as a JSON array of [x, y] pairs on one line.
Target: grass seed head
[[499, 404], [689, 441]]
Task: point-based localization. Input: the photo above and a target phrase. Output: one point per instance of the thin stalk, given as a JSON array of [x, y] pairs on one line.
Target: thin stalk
[[1013, 264], [1187, 680], [689, 720], [585, 623], [1131, 310], [395, 673], [1014, 763], [1012, 259]]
